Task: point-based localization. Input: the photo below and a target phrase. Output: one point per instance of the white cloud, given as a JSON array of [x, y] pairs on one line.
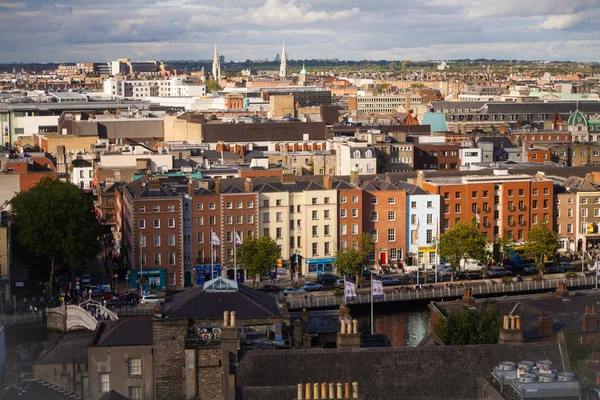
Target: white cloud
[[561, 21], [277, 13]]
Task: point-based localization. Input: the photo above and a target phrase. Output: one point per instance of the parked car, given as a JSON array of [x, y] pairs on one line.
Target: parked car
[[389, 281], [131, 298], [529, 270], [460, 275], [150, 299], [290, 290], [327, 278], [312, 287], [564, 267], [116, 302], [86, 279], [471, 276], [553, 269], [499, 273], [107, 295], [270, 289]]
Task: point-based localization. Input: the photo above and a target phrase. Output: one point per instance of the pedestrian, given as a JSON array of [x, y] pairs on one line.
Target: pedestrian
[[278, 279]]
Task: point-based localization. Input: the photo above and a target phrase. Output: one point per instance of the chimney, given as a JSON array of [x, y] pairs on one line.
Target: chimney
[[288, 177], [327, 390], [327, 182], [297, 334], [561, 291], [153, 183], [590, 319], [590, 178], [545, 326], [218, 186], [349, 337], [248, 185], [229, 354], [510, 332], [191, 187], [420, 178], [502, 128], [354, 177], [468, 300]]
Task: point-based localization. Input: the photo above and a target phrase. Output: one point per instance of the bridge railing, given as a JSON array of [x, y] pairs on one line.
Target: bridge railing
[[103, 310], [430, 292], [21, 318]]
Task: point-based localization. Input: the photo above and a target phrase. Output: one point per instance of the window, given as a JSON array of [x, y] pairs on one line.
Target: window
[[239, 205], [474, 194], [535, 192], [249, 219], [239, 219], [326, 200], [429, 234], [485, 194], [570, 213], [200, 206], [278, 202], [200, 237], [314, 200], [142, 209], [171, 240], [315, 215], [391, 235], [343, 199], [355, 213], [457, 195], [265, 203], [457, 208], [200, 221], [343, 229], [584, 200], [142, 224], [298, 208], [355, 229], [570, 200], [546, 203], [569, 228], [534, 204], [430, 218], [511, 192], [135, 392], [393, 254], [104, 380], [430, 204], [171, 222], [584, 212], [375, 235], [212, 220], [391, 215], [229, 205], [373, 216], [156, 208], [229, 219], [278, 217], [315, 230], [326, 248], [546, 191], [413, 237], [373, 200], [265, 217], [343, 213], [249, 205], [534, 219], [391, 200], [413, 204], [355, 199], [212, 206], [156, 240], [171, 258], [315, 249], [156, 223], [278, 233]]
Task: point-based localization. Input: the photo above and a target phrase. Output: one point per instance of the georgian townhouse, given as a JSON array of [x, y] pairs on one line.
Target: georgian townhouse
[[422, 225]]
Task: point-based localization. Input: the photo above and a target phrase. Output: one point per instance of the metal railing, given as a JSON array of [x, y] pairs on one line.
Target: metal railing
[[24, 318], [440, 292]]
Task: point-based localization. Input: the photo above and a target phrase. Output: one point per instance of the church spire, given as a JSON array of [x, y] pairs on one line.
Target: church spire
[[283, 66], [216, 67]]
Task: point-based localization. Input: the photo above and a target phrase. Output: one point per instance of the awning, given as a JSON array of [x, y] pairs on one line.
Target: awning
[[320, 261]]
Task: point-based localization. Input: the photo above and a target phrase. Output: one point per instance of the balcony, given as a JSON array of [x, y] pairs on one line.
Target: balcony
[[486, 210], [512, 208], [522, 223], [522, 208], [511, 223], [476, 210], [487, 225]]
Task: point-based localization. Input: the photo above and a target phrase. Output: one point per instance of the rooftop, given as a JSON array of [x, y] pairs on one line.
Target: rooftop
[[123, 332], [66, 349]]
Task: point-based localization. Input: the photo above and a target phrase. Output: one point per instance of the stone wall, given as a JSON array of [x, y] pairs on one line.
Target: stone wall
[[169, 359], [210, 374], [56, 319]]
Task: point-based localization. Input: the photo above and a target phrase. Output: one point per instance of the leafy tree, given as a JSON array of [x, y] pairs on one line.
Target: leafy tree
[[258, 256], [541, 241], [480, 326], [503, 245], [461, 242], [56, 219], [352, 259], [212, 85]]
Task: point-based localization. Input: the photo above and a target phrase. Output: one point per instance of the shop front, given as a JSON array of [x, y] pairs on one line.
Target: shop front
[[241, 274], [205, 273], [318, 266], [153, 278]]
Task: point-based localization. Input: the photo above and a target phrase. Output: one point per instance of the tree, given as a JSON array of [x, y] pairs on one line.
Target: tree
[[461, 242], [541, 241], [352, 259], [480, 326], [56, 219], [502, 248], [258, 256], [212, 85]]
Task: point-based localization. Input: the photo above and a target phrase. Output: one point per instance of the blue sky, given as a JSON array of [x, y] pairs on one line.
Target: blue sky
[[86, 30]]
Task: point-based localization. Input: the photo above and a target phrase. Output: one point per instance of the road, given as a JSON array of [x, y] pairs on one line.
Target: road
[[96, 268]]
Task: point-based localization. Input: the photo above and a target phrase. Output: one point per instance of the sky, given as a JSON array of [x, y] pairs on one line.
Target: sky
[[103, 30]]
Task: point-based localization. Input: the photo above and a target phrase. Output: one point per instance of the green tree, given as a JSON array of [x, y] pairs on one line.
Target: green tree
[[541, 241], [56, 219], [480, 326], [212, 85], [502, 247], [258, 256], [463, 241], [352, 259]]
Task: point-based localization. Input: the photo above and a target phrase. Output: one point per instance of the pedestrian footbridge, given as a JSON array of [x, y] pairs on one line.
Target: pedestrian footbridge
[[69, 318]]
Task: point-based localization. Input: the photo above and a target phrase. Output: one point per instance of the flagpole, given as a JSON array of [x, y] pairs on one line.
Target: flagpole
[[234, 254], [437, 257], [372, 322], [345, 298], [212, 255]]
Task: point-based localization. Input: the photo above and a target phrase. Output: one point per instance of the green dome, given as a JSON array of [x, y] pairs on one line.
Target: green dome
[[303, 71], [577, 118]]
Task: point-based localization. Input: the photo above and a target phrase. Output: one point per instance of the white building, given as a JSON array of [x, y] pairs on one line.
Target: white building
[[82, 174], [350, 156], [141, 88], [469, 156], [423, 227]]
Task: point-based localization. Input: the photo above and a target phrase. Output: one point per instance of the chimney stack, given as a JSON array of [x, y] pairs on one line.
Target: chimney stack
[[561, 291], [349, 337], [545, 326], [191, 188], [229, 353], [590, 319], [327, 390], [510, 331], [468, 300], [153, 183], [248, 185], [354, 177], [218, 186], [327, 182]]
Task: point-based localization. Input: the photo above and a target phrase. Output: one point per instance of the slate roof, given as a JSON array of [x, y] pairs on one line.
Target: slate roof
[[33, 390], [437, 121], [498, 141], [113, 395], [79, 163], [579, 184], [566, 313], [216, 155], [363, 151], [385, 373], [124, 332], [66, 349], [247, 303], [298, 186]]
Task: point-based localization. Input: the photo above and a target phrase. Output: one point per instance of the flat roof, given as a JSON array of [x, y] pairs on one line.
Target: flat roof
[[74, 106]]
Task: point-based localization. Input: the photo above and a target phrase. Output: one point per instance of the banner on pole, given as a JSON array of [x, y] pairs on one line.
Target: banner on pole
[[377, 289], [350, 291]]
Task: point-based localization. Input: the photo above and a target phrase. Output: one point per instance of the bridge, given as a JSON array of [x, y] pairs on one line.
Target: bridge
[[438, 292], [68, 318]]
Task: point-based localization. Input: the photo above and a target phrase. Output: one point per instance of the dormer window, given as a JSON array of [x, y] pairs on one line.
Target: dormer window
[[357, 154], [369, 154]]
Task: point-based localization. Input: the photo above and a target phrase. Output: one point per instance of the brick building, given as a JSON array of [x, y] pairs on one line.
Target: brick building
[[439, 156]]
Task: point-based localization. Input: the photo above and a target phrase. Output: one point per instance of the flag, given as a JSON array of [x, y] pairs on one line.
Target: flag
[[214, 240], [350, 291], [436, 230], [417, 231], [376, 289], [238, 239]]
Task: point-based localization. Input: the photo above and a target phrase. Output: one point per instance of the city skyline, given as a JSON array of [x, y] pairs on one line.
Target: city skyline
[[39, 31]]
